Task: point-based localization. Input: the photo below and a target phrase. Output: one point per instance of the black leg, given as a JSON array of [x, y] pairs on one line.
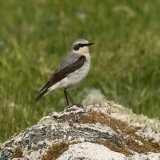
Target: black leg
[[65, 93], [71, 100]]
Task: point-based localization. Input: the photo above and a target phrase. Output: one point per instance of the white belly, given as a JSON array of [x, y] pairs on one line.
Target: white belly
[[76, 77]]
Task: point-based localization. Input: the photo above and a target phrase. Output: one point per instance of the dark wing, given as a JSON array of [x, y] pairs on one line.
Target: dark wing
[[63, 72]]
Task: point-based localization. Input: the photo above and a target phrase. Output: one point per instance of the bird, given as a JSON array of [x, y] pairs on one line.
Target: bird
[[71, 71]]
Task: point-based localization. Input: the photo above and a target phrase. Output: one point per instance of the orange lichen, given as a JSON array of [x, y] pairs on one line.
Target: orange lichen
[[18, 153], [55, 150]]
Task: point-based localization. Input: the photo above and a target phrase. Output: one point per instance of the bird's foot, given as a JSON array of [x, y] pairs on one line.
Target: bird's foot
[[79, 105], [76, 105], [73, 107]]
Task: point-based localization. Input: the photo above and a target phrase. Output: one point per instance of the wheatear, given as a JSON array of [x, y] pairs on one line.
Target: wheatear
[[73, 69]]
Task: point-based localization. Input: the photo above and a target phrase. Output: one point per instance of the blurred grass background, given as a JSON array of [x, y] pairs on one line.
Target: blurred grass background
[[36, 34]]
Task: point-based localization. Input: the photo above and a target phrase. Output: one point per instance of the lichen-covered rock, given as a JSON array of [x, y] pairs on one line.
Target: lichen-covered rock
[[101, 131]]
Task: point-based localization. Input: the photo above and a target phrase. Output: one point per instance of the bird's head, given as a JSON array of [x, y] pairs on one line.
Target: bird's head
[[81, 46]]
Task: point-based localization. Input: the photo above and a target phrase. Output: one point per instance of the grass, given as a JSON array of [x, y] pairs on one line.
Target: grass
[[36, 34]]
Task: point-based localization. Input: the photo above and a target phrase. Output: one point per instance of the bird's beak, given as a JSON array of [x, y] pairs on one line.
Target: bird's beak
[[89, 44]]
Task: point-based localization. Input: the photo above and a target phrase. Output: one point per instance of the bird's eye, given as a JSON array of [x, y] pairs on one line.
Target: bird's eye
[[77, 46]]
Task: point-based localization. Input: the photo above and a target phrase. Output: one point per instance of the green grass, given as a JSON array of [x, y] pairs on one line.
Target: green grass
[[36, 34]]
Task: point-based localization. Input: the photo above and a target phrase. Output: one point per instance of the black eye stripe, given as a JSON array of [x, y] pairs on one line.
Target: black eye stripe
[[77, 46], [81, 45]]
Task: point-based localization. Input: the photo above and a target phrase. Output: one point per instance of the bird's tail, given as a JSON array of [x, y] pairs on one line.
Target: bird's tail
[[41, 95]]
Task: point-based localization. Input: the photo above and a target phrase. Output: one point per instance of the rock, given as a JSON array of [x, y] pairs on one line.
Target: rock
[[90, 151], [101, 131]]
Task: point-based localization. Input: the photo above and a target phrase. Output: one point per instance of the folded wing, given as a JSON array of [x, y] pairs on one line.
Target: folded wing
[[67, 67]]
